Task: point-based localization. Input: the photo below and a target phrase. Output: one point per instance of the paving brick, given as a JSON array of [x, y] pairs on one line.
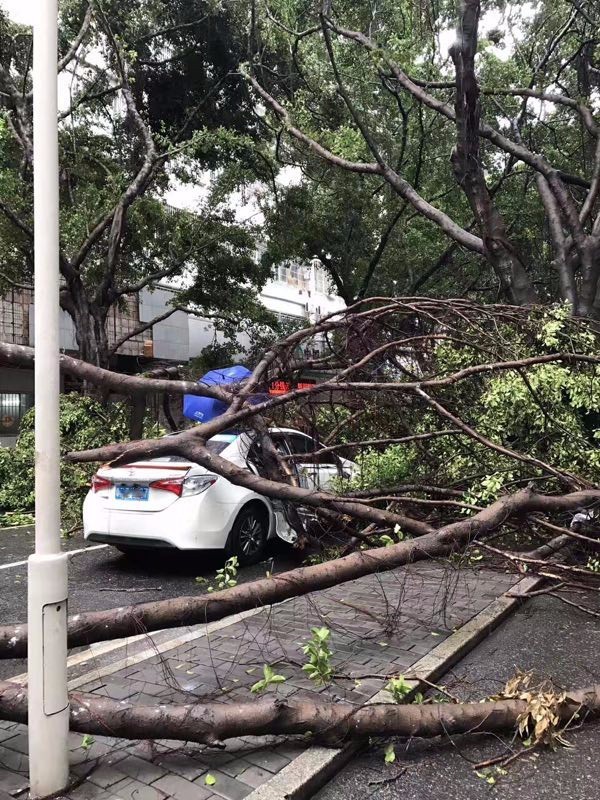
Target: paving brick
[[7, 733], [7, 725], [12, 761], [88, 791], [19, 742], [106, 775], [118, 690], [254, 776], [135, 790], [226, 786], [182, 764], [234, 767], [267, 759], [96, 749], [140, 769], [410, 604], [10, 781], [181, 789]]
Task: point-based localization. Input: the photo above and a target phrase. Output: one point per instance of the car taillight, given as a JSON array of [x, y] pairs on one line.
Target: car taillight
[[198, 484], [100, 484], [174, 485]]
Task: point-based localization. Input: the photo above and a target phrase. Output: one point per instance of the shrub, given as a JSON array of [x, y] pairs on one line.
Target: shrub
[[84, 424]]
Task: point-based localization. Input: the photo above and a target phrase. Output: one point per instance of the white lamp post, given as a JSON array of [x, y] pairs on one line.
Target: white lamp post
[[47, 594]]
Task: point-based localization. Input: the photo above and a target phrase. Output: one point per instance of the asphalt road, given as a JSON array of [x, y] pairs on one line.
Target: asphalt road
[[101, 577], [546, 636]]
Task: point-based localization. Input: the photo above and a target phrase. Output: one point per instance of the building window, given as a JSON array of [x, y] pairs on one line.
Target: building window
[[290, 321], [292, 274], [12, 410], [321, 282]]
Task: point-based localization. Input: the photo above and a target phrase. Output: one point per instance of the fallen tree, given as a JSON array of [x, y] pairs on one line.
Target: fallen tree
[[214, 722], [518, 387], [96, 626]]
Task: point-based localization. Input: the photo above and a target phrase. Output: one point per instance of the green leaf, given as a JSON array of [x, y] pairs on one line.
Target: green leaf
[[390, 754], [209, 779]]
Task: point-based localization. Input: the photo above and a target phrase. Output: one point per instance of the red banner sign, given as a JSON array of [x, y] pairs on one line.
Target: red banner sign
[[283, 387]]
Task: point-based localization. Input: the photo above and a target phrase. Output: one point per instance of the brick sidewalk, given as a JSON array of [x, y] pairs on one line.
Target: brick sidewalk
[[380, 624]]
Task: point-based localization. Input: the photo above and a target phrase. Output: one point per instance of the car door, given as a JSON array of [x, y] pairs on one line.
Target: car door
[[254, 461]]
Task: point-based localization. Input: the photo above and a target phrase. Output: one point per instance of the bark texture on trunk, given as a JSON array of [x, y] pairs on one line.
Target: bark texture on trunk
[[97, 626], [212, 723], [468, 169]]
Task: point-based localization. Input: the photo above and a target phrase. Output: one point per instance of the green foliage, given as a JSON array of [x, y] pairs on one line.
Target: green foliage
[[84, 424], [319, 668], [269, 678], [226, 577], [400, 688], [593, 564], [490, 774], [327, 554], [86, 741], [181, 61], [546, 411], [13, 519], [380, 468], [398, 536], [342, 217], [389, 753]]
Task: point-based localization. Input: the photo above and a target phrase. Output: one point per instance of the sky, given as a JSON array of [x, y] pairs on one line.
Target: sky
[[20, 10], [23, 11]]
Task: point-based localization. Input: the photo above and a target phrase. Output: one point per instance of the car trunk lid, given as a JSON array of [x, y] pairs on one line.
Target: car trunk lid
[[146, 486]]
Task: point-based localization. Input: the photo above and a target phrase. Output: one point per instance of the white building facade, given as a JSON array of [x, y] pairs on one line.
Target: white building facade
[[296, 293]]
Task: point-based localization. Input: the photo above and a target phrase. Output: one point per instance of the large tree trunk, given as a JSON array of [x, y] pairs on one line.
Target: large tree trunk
[[212, 723], [96, 626], [89, 321], [468, 169]]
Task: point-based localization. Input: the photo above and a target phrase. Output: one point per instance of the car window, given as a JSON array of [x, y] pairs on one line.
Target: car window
[[306, 446], [278, 439], [301, 444], [216, 444]]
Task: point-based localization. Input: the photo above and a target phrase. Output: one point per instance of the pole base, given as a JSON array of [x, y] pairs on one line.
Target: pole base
[[48, 704]]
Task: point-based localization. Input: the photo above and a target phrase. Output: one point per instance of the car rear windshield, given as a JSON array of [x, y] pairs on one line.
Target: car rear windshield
[[219, 442], [214, 445]]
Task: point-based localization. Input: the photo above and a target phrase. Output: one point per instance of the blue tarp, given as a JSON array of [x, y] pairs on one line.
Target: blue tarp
[[203, 409]]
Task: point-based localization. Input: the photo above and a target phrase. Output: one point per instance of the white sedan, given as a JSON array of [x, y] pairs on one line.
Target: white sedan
[[169, 502]]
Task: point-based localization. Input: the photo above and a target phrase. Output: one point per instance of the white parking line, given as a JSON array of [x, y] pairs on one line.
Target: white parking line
[[69, 553]]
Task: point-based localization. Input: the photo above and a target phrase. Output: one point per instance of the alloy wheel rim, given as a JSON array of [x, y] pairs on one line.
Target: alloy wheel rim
[[250, 535]]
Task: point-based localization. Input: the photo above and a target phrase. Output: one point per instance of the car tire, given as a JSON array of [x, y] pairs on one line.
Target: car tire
[[249, 534]]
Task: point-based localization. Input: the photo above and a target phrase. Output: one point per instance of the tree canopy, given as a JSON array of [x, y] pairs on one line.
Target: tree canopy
[[150, 99], [486, 151]]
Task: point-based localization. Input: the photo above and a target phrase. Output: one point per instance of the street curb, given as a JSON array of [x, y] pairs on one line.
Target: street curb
[[313, 768], [16, 528]]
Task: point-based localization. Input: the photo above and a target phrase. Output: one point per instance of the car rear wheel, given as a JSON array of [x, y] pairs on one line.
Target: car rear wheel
[[248, 537]]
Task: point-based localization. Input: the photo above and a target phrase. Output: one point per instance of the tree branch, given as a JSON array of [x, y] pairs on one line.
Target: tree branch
[[96, 626]]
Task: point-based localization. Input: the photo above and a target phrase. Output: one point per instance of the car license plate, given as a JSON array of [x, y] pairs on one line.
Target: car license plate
[[128, 491]]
